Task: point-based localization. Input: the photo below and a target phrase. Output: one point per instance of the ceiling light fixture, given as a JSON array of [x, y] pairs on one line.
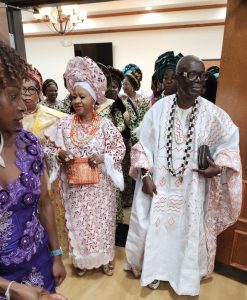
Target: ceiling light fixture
[[62, 19]]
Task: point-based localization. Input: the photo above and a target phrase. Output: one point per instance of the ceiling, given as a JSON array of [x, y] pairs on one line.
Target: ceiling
[[30, 3], [127, 15]]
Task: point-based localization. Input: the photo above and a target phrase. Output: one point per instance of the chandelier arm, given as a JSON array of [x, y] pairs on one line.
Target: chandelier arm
[[65, 27], [55, 28], [71, 29]]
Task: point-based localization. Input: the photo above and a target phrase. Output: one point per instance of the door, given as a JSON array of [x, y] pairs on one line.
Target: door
[[232, 97]]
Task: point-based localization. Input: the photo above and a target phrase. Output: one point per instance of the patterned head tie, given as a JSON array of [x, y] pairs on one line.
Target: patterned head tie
[[116, 75], [134, 70], [47, 83], [166, 61], [84, 71], [133, 81], [214, 70], [34, 74], [107, 74]]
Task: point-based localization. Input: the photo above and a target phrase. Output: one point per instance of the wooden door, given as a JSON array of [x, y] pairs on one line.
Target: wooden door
[[4, 32], [232, 97]]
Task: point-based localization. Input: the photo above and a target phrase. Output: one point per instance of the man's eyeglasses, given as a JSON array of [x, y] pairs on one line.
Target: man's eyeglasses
[[31, 90], [191, 76]]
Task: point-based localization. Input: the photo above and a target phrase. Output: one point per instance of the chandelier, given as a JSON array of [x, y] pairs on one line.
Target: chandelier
[[62, 19]]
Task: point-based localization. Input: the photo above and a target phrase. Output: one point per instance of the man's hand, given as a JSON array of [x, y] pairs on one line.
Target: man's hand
[[211, 171], [149, 187]]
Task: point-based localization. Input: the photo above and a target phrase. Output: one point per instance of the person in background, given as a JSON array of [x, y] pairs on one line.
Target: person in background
[[50, 92], [120, 118], [37, 116], [116, 83], [210, 87], [137, 72], [88, 139], [165, 67], [215, 70], [67, 107], [179, 209], [139, 104], [104, 107], [136, 106], [156, 87], [29, 248]]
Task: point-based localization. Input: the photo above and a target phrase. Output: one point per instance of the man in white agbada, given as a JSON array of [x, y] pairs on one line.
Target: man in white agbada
[[178, 210]]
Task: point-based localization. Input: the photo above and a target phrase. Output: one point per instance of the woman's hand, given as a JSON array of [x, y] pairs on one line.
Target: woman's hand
[[65, 156], [26, 292], [52, 297], [58, 270], [149, 187], [211, 171], [95, 160]]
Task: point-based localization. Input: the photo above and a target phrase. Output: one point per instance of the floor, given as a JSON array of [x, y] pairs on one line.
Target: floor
[[95, 285], [122, 286]]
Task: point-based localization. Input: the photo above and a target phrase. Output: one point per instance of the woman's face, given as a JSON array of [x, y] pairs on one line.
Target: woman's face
[[82, 101], [30, 94], [113, 92], [51, 93], [12, 108], [169, 82], [127, 87]]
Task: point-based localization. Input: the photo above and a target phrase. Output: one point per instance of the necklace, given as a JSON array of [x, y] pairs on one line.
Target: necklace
[[180, 172], [2, 163], [89, 129]]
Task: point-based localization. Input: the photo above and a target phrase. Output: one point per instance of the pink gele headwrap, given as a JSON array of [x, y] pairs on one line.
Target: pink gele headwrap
[[84, 69]]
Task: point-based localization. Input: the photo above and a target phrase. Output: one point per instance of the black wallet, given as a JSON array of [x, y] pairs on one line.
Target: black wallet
[[203, 153]]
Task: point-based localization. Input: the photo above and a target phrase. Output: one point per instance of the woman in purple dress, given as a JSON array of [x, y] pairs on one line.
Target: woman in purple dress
[[29, 250]]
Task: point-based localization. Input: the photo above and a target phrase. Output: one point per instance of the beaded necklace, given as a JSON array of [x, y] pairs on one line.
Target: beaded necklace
[[89, 129], [180, 172]]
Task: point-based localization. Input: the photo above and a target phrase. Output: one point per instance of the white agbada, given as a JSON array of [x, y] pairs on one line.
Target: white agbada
[[172, 236]]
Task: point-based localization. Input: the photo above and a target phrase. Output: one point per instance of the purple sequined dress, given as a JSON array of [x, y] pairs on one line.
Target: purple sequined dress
[[24, 253]]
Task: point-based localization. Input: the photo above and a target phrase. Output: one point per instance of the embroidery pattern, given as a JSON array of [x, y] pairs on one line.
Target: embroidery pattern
[[35, 278], [6, 227]]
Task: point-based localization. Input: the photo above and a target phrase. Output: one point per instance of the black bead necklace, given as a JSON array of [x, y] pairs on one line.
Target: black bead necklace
[[180, 172]]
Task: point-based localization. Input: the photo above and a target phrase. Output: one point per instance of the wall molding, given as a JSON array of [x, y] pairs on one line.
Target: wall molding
[[83, 32], [141, 12]]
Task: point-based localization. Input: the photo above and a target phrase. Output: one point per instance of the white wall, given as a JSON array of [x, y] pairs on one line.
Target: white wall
[[142, 48]]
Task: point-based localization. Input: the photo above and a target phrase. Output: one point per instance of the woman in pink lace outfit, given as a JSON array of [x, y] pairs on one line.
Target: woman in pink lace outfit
[[90, 209]]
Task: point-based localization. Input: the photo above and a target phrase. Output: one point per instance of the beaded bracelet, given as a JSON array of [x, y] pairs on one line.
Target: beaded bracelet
[[7, 293], [56, 252]]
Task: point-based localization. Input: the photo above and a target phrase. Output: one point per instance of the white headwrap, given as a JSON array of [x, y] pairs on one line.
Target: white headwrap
[[87, 87]]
